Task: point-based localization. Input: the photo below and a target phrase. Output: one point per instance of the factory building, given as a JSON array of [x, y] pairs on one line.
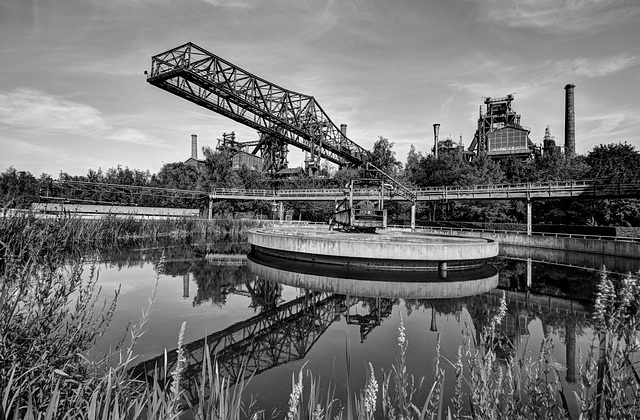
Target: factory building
[[499, 133], [243, 158]]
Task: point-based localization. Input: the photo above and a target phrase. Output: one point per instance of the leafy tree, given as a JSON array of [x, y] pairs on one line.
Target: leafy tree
[[217, 171], [252, 179], [620, 162], [560, 168], [518, 171], [412, 167], [384, 157], [177, 175], [18, 189]]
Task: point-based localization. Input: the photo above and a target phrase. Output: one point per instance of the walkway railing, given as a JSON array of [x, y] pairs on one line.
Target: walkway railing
[[553, 189], [451, 230]]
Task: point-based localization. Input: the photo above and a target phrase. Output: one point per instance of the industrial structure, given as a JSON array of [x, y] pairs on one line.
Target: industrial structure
[[193, 160], [282, 117], [549, 144], [569, 121], [499, 133]]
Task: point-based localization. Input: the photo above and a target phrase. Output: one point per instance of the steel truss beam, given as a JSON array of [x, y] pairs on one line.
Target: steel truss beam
[[269, 339], [207, 80]]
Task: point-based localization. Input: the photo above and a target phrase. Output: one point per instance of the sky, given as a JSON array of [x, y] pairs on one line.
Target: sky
[[74, 97]]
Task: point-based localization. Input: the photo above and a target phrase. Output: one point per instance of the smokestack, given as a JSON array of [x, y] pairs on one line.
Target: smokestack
[[343, 130], [569, 121], [194, 146], [436, 131]]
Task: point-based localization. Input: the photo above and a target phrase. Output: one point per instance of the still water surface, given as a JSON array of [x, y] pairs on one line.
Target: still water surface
[[277, 317]]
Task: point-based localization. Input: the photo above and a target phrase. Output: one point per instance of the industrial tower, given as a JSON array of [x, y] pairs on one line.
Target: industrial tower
[[499, 133]]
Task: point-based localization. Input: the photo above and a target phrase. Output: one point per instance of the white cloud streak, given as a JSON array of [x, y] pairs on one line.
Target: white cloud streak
[[40, 113], [560, 17]]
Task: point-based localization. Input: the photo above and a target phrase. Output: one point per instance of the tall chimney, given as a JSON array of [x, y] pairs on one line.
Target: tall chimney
[[343, 130], [569, 121], [194, 146], [436, 131]]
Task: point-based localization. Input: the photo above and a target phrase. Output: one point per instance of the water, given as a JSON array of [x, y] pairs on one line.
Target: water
[[278, 317]]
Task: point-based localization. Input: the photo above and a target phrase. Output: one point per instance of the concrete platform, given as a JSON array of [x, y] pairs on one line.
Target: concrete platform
[[388, 250]]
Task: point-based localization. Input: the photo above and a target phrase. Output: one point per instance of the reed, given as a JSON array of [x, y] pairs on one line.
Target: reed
[[50, 318]]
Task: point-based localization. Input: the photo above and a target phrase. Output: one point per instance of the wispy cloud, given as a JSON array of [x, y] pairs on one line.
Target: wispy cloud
[[532, 77], [41, 113], [22, 147], [560, 17], [596, 67]]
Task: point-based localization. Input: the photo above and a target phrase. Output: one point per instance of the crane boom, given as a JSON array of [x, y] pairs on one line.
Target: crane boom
[[205, 79]]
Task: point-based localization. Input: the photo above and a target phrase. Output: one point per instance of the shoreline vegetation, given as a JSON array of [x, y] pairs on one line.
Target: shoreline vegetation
[[52, 314]]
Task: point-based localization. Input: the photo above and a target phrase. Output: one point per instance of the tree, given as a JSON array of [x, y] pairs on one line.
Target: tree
[[620, 162], [560, 168], [384, 157], [412, 167], [177, 175], [18, 189], [217, 171]]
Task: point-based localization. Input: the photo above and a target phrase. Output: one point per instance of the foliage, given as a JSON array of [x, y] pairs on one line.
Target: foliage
[[383, 156], [18, 189], [618, 161], [615, 375], [48, 324]]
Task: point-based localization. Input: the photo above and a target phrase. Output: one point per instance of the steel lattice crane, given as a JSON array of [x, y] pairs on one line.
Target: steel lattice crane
[[280, 115]]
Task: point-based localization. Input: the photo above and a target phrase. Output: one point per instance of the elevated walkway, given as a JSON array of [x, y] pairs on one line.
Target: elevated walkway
[[582, 189]]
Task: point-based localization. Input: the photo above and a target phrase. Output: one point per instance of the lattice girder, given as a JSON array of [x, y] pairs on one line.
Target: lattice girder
[[203, 78]]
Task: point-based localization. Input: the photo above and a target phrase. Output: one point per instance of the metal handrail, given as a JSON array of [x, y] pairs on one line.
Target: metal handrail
[[522, 232], [575, 186]]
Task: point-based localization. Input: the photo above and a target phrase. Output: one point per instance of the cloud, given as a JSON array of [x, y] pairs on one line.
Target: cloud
[[41, 113], [531, 78], [12, 145], [560, 17], [590, 67]]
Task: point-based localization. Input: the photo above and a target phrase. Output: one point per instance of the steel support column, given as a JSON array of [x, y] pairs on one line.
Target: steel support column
[[529, 216], [413, 216]]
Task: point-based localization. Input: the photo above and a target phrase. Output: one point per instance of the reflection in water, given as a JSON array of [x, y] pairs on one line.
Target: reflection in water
[[302, 312], [271, 338], [374, 283]]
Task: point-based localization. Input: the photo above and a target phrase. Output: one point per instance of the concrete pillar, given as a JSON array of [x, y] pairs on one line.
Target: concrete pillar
[[529, 216], [281, 211], [185, 286], [413, 216], [529, 276], [210, 212]]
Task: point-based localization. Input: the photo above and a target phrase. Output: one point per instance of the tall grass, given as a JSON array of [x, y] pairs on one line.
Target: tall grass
[[51, 315], [72, 232], [492, 383]]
